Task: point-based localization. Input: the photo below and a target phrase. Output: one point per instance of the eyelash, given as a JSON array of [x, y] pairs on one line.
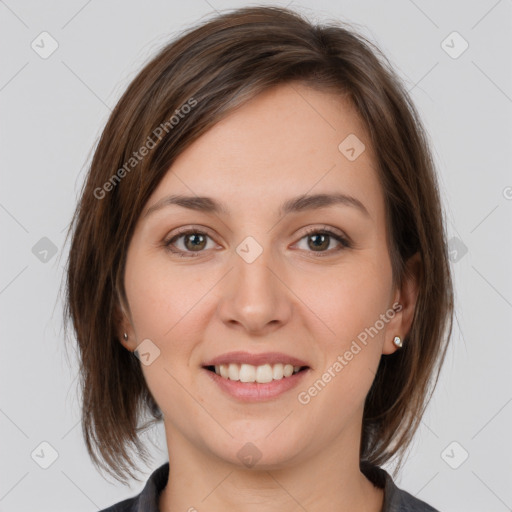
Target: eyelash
[[345, 244]]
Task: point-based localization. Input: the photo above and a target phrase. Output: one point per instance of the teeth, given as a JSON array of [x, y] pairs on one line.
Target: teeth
[[247, 373], [277, 372], [233, 372], [224, 372], [261, 374]]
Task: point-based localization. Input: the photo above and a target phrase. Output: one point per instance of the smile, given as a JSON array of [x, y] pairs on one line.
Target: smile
[[251, 377], [249, 373]]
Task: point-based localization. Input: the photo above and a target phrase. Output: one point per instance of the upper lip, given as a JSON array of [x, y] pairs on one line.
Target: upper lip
[[241, 357]]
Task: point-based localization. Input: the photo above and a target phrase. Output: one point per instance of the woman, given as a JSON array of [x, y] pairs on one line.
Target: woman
[[259, 260]]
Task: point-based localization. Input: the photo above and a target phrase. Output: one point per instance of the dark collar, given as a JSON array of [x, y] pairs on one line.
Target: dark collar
[[395, 499]]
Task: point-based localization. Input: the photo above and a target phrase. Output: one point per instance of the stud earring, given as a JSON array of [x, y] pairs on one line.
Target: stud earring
[[125, 336], [398, 341]]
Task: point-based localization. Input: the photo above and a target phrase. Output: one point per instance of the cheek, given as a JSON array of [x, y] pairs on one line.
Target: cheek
[[166, 305], [162, 306], [163, 298], [348, 300]]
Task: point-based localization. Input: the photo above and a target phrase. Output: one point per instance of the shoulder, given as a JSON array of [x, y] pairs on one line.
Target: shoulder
[[409, 503], [395, 499], [147, 499]]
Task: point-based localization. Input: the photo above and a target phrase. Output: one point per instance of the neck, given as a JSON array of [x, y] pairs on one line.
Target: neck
[[329, 480]]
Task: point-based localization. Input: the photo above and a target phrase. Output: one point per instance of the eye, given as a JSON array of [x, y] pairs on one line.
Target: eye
[[194, 241], [320, 239]]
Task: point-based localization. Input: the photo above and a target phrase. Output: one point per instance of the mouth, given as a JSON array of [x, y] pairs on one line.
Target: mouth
[[261, 374], [250, 377]]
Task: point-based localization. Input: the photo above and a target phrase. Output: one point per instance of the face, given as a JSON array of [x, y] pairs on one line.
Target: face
[[253, 284]]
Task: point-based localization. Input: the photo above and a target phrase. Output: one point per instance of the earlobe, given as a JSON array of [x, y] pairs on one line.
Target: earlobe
[[127, 343], [393, 341], [406, 297], [123, 328], [127, 340]]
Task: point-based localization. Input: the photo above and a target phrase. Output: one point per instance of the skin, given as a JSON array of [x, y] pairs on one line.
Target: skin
[[291, 299]]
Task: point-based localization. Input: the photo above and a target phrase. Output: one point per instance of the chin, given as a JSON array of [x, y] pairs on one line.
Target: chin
[[261, 453]]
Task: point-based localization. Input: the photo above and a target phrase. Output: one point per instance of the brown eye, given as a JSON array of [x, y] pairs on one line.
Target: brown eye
[[318, 241], [193, 241]]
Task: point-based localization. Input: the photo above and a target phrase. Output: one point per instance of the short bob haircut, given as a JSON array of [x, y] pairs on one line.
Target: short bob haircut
[[189, 86]]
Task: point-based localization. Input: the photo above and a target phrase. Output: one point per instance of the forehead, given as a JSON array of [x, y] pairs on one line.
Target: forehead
[[287, 141]]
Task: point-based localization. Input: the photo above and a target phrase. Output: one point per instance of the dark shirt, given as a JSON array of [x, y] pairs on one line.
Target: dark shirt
[[395, 499]]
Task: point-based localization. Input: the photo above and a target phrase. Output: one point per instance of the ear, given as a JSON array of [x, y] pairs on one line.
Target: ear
[[404, 300], [124, 325]]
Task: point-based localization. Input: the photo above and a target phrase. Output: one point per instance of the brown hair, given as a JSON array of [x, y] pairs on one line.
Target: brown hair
[[214, 68]]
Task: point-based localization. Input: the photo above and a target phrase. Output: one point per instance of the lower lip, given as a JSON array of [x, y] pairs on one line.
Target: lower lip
[[254, 391]]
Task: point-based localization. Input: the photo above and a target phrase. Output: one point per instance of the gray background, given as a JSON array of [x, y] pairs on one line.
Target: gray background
[[54, 109]]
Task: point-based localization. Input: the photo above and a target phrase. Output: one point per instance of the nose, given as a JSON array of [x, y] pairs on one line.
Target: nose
[[255, 297]]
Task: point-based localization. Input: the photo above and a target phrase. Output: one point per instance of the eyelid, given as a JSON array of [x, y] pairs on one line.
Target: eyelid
[[195, 228], [327, 229]]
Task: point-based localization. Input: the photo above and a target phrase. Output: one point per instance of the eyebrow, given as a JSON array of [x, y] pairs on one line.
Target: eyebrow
[[293, 205]]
